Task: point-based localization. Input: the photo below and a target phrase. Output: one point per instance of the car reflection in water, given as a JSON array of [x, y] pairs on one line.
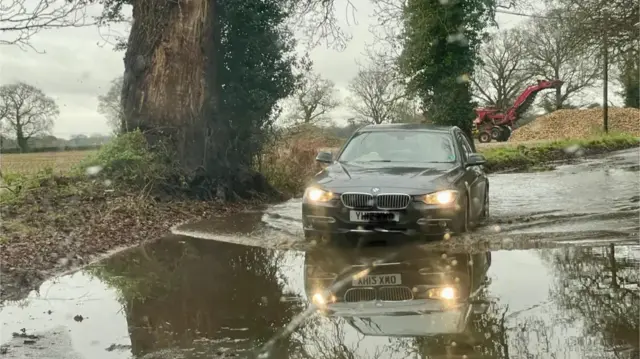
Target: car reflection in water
[[406, 291]]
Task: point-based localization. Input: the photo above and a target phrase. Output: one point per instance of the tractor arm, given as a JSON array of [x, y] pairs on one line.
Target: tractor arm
[[526, 98]]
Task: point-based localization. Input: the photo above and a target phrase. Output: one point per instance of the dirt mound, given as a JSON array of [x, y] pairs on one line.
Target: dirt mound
[[563, 124]]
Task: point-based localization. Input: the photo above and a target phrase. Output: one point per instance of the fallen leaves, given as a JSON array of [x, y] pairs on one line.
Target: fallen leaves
[[566, 124], [52, 232]]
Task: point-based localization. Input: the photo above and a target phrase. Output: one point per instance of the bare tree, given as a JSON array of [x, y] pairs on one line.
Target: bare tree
[[376, 91], [502, 76], [407, 110], [25, 112], [554, 53], [110, 105], [21, 19], [314, 98], [588, 20]]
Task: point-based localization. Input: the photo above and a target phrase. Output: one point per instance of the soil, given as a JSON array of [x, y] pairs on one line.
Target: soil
[[51, 233], [582, 123]]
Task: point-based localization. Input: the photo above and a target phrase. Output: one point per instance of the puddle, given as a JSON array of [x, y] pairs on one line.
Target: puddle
[[191, 298]]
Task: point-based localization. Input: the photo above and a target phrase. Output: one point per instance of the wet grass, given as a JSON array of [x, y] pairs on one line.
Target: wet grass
[[27, 163], [537, 156]]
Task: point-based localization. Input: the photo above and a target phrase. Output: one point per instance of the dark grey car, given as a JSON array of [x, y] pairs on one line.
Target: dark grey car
[[398, 178]]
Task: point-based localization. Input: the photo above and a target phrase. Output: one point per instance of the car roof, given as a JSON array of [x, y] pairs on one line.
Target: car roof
[[406, 126]]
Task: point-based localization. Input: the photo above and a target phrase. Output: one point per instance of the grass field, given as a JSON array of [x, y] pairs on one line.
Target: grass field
[[32, 162]]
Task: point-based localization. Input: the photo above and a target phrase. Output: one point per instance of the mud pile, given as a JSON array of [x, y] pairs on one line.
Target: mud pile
[[563, 124]]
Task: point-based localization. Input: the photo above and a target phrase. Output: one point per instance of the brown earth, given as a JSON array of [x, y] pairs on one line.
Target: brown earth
[[567, 124], [48, 233]]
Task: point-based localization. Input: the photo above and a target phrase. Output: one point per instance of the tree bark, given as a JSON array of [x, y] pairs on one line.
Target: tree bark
[[169, 85], [171, 92]]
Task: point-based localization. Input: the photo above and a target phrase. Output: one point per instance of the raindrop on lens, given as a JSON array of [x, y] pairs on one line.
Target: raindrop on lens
[[464, 78], [94, 170]]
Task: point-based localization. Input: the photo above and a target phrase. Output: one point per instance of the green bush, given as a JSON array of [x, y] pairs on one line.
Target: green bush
[[127, 162], [291, 160]]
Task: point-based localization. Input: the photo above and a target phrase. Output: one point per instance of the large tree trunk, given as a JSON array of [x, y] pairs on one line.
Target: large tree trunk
[[171, 91]]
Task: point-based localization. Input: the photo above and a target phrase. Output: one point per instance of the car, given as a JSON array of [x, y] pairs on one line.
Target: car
[[412, 292], [409, 179]]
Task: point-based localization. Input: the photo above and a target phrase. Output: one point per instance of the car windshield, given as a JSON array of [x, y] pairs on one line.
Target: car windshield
[[399, 146]]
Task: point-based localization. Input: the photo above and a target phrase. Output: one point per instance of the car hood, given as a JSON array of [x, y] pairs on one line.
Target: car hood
[[419, 177]]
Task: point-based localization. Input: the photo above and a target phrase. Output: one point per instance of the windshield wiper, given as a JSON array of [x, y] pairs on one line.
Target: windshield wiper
[[380, 161]]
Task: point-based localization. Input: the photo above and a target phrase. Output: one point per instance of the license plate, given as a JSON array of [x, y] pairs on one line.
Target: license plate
[[375, 216], [377, 280]]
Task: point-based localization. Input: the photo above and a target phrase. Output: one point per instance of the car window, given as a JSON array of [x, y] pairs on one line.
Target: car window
[[466, 147], [399, 146]]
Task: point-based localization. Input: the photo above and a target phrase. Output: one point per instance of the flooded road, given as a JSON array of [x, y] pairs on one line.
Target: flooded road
[[594, 200], [555, 275]]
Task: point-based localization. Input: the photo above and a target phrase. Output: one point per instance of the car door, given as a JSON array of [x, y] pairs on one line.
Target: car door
[[475, 177]]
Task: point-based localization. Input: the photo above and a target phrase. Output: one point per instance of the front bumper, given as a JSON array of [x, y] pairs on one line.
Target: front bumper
[[418, 218]]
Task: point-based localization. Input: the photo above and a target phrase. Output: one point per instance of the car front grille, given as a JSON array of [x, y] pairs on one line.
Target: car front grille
[[387, 294], [357, 200], [381, 201], [360, 295], [392, 201], [395, 294]]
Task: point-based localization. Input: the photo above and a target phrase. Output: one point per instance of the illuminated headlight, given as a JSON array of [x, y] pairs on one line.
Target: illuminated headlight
[[321, 300], [441, 197], [446, 293], [313, 194]]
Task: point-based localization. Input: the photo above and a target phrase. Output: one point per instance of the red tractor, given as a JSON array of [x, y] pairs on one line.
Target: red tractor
[[491, 124]]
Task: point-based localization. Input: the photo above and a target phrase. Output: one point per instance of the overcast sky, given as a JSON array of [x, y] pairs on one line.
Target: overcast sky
[[78, 65]]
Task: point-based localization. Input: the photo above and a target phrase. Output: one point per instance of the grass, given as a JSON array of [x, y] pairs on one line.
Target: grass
[[29, 163], [535, 155]]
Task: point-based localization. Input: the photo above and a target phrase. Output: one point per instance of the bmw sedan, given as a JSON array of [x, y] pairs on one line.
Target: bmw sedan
[[411, 179]]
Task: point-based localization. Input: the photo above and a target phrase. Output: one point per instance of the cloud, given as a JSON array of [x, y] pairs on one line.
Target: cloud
[[74, 69]]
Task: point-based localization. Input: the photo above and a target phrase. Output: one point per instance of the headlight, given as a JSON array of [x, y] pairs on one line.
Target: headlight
[[441, 197], [321, 300], [446, 293], [317, 195], [318, 299]]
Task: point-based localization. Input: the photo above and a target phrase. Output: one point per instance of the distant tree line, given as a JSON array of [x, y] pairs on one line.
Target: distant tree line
[[27, 116], [50, 143]]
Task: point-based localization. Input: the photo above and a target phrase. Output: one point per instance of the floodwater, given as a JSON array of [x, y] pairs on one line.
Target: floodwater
[[554, 275]]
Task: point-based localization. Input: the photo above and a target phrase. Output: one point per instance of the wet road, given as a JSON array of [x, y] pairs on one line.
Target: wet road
[[554, 276]]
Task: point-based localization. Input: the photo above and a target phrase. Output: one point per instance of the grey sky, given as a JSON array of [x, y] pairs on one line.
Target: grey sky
[[78, 66]]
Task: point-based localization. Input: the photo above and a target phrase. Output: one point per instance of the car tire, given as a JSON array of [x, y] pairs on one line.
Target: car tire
[[461, 224]]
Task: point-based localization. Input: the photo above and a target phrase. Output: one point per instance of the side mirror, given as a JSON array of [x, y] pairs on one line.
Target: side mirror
[[475, 159], [324, 157]]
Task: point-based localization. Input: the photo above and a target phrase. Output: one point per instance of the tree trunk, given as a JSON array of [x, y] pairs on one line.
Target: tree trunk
[[171, 92], [23, 142]]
